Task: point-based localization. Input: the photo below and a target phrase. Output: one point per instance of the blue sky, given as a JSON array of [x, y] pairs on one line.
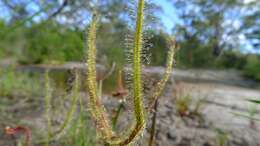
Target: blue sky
[[168, 17]]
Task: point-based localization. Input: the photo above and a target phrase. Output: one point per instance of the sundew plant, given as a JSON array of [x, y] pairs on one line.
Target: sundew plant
[[98, 112], [137, 57]]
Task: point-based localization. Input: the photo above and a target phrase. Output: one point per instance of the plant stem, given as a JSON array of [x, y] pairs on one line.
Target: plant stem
[[48, 106], [153, 127], [115, 119], [137, 82]]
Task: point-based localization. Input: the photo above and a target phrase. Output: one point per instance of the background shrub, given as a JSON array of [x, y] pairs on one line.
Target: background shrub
[[252, 68]]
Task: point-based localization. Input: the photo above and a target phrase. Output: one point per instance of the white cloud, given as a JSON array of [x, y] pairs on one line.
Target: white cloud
[[249, 1]]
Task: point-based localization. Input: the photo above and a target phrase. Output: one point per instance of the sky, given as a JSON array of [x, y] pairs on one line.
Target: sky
[[168, 17]]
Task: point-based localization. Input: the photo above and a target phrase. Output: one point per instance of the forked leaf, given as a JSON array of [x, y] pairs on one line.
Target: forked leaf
[[254, 101]]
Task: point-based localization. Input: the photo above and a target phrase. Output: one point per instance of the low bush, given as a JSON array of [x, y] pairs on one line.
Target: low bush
[[231, 59], [51, 44], [252, 67], [18, 84]]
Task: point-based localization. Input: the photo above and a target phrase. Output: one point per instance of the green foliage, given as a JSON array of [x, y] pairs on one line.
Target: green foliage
[[51, 42], [2, 27], [232, 59], [12, 44], [183, 104], [79, 133], [205, 20], [68, 116], [222, 137], [72, 131], [118, 52], [110, 42], [18, 84], [186, 106], [203, 32], [158, 50], [254, 101], [194, 55], [252, 111], [252, 68], [46, 42]]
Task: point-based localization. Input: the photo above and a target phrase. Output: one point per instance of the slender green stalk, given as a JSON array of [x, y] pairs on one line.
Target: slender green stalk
[[118, 111], [48, 107], [100, 88], [95, 105], [153, 127], [137, 82], [161, 84], [97, 109], [71, 111], [69, 115]]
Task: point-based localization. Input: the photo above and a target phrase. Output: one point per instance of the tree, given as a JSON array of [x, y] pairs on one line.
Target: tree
[[205, 20], [209, 27], [69, 16], [251, 23]]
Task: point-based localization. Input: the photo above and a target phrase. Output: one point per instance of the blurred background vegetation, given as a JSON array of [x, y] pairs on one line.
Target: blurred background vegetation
[[213, 34]]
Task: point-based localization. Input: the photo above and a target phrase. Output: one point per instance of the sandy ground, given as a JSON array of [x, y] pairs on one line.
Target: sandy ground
[[217, 123], [221, 103]]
